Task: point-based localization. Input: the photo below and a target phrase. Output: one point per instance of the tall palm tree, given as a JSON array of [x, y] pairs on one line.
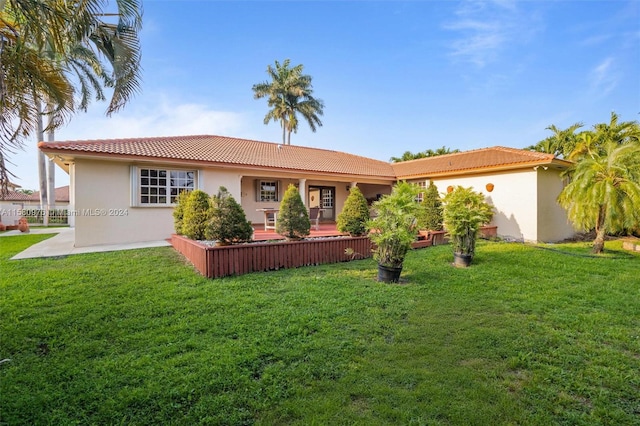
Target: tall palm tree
[[604, 192], [288, 93]]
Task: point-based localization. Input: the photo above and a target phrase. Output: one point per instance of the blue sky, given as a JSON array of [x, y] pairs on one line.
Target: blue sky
[[395, 76]]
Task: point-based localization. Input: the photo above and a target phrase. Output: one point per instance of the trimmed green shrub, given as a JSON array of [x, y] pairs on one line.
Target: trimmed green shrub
[[430, 211], [293, 219], [178, 211], [355, 214], [228, 222], [196, 215]]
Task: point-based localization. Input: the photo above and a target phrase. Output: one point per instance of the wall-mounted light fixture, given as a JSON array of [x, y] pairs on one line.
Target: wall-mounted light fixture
[[490, 187]]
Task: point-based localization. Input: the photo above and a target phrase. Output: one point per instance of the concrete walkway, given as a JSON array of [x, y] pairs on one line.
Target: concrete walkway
[[62, 244]]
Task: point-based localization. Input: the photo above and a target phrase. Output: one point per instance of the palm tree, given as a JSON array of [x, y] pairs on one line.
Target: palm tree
[[30, 27], [594, 142], [604, 192], [289, 92], [561, 143], [408, 155]]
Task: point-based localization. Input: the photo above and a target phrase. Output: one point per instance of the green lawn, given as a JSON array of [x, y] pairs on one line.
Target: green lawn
[[525, 336]]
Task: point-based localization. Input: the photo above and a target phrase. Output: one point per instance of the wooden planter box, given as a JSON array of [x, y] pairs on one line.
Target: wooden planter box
[[221, 261], [429, 238], [487, 232]]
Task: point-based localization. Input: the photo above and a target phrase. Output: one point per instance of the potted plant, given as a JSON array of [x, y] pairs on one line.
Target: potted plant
[[228, 222], [354, 215], [293, 220], [464, 212], [394, 229]]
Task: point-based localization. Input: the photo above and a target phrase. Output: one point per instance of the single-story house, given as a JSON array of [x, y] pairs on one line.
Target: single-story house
[[124, 190], [14, 204]]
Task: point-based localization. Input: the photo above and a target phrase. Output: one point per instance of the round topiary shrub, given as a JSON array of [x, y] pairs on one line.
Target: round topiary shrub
[[197, 210], [228, 222], [430, 211], [293, 219], [355, 214], [178, 211]]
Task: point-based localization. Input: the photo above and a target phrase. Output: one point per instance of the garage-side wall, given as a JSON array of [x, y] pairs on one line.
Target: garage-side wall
[[514, 197], [553, 224]]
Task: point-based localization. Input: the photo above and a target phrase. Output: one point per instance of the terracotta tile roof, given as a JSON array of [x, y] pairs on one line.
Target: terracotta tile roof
[[495, 158], [15, 196], [62, 195], [228, 151]]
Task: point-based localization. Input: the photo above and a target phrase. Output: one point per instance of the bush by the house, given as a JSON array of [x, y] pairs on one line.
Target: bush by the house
[[355, 214], [430, 212], [293, 220], [196, 214], [228, 222], [178, 211]]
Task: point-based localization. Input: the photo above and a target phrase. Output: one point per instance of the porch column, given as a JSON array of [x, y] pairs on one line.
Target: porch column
[[302, 188], [354, 184]]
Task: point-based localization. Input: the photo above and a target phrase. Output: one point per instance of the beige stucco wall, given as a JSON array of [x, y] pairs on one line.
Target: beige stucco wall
[[553, 224], [105, 214], [514, 198], [104, 189]]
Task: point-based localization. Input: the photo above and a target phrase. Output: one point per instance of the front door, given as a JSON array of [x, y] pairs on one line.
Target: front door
[[324, 198]]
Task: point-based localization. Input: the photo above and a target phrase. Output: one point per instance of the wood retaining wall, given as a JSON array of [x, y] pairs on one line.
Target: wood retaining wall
[[221, 261]]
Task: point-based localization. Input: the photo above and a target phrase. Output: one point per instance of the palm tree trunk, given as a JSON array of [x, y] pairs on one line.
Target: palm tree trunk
[[42, 166], [598, 243], [51, 166], [284, 131]]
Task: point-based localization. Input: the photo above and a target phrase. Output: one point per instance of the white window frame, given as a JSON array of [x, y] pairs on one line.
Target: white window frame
[[423, 185], [260, 192], [162, 186]]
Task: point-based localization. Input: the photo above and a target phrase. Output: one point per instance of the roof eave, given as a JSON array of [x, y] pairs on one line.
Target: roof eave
[[63, 157]]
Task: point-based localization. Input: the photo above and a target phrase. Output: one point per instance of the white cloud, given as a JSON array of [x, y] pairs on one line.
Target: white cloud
[[603, 77], [161, 117], [487, 28]]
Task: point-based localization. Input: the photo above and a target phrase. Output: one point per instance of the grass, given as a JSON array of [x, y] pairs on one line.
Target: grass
[[524, 336]]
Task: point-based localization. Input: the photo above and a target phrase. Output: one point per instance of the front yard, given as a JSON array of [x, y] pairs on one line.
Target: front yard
[[524, 336]]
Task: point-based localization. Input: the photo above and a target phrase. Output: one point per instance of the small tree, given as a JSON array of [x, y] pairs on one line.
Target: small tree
[[430, 211], [464, 212], [293, 220], [355, 214], [394, 228], [196, 215], [228, 222], [178, 211]]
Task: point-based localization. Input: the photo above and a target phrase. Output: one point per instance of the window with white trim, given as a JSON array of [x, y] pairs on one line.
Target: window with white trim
[[267, 190], [162, 186], [327, 198], [423, 189]]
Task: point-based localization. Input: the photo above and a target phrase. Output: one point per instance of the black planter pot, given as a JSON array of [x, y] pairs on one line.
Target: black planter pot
[[462, 260], [388, 275]]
